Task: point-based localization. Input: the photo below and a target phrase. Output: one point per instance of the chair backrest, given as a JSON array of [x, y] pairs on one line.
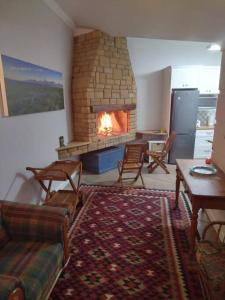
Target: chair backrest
[[217, 236], [134, 153], [169, 142]]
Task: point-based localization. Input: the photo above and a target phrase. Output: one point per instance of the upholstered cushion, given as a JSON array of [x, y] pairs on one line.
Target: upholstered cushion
[[212, 265], [65, 199], [33, 263], [129, 165], [32, 222]]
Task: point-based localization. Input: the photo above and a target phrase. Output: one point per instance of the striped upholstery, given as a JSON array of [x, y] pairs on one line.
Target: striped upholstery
[[25, 222], [65, 199], [33, 263]]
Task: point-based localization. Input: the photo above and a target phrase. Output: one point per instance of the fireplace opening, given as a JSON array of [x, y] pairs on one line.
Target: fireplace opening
[[112, 123]]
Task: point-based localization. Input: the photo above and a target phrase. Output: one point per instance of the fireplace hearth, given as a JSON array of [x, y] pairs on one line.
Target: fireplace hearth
[[103, 94]]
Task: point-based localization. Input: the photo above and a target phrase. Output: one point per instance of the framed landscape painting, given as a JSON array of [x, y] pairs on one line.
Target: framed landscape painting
[[27, 88]]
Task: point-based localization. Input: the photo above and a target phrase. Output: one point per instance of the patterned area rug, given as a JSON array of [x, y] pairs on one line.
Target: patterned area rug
[[129, 243]]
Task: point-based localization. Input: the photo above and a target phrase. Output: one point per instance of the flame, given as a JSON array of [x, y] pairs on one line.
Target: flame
[[106, 126]]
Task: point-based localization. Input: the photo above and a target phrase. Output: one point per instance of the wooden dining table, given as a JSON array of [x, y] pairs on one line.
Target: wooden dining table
[[204, 191]]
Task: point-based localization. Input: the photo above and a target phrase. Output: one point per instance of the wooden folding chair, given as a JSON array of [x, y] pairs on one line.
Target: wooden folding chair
[[158, 157], [132, 162], [210, 257]]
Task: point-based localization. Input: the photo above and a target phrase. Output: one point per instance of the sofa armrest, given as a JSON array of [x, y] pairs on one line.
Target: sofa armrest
[[10, 288], [38, 223]]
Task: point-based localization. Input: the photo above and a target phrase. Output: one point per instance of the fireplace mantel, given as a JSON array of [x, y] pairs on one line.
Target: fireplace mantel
[[112, 107]]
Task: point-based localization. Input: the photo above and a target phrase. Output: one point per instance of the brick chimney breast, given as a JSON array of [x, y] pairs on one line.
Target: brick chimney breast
[[102, 76]]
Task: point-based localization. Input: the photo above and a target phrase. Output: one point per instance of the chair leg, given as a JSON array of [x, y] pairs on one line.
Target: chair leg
[[164, 167], [153, 167], [119, 178], [156, 163], [150, 165], [120, 173], [139, 175], [142, 180]]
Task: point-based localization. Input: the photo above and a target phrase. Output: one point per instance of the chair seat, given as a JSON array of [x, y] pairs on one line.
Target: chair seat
[[130, 165], [156, 154], [212, 266], [27, 261]]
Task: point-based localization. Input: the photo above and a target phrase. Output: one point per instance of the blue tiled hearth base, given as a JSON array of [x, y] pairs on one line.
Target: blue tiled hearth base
[[103, 160]]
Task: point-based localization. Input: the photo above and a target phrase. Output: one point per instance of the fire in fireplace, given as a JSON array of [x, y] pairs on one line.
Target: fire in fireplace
[[112, 123]]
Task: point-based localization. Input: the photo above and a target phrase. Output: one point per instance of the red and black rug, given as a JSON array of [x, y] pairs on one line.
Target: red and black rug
[[129, 243]]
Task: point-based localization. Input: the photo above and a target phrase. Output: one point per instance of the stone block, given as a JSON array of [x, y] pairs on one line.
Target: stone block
[[105, 101], [107, 93], [103, 61], [113, 101], [108, 70], [117, 74], [124, 94], [98, 94]]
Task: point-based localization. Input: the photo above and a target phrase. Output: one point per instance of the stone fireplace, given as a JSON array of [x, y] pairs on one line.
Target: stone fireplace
[[103, 94]]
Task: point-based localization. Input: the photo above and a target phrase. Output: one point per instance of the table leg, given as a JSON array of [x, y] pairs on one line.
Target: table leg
[[76, 189], [43, 185], [72, 184], [48, 190], [35, 172], [193, 229], [177, 188]]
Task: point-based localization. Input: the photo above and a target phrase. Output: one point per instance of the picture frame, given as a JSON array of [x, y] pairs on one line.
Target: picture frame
[[26, 88]]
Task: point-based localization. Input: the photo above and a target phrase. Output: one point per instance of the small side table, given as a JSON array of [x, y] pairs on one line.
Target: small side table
[[60, 171], [152, 135]]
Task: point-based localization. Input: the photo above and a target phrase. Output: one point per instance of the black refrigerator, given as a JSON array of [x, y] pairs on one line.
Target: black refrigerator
[[183, 119]]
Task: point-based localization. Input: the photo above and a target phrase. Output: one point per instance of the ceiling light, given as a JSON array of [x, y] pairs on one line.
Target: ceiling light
[[214, 47]]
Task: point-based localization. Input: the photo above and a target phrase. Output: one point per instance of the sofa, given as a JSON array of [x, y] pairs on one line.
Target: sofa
[[33, 249]]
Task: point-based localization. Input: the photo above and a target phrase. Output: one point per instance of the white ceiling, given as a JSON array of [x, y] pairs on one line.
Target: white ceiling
[[191, 20]]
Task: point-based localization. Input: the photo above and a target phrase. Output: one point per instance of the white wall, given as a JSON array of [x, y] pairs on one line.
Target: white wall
[[149, 57], [30, 31], [219, 133], [219, 138]]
